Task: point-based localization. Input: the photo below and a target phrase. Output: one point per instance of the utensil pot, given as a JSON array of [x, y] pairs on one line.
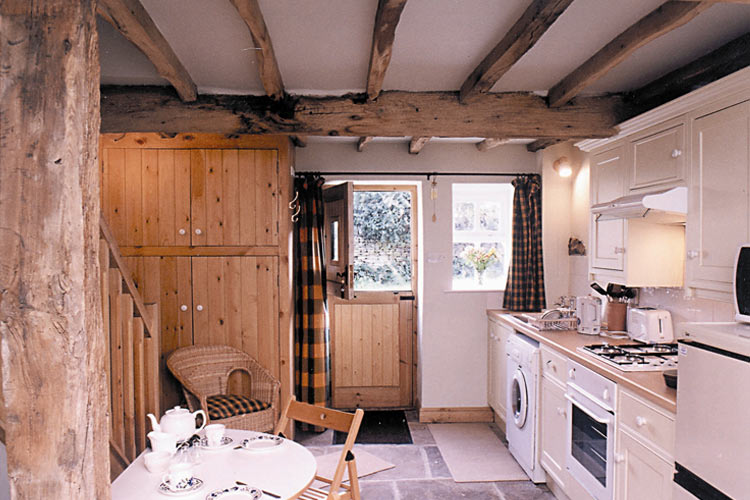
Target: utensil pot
[[616, 312]]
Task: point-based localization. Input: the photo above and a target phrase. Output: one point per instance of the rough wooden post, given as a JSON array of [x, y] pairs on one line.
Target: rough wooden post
[[52, 347]]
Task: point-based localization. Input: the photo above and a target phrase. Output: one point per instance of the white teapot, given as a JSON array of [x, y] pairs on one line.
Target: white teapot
[[178, 421]]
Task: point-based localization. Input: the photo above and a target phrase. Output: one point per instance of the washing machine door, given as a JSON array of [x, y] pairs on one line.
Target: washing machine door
[[519, 398]]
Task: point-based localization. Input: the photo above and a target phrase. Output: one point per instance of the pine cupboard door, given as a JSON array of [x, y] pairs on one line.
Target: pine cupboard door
[[146, 196], [236, 303], [718, 212], [234, 197], [608, 178], [168, 282]]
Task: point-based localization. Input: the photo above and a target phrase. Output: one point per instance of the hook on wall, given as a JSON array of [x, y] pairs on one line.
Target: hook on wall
[[295, 215], [295, 205]]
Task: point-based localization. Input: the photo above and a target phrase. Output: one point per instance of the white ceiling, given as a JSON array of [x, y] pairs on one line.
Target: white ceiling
[[323, 46]]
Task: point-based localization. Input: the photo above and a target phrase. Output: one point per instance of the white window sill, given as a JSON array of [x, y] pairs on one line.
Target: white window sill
[[475, 290]]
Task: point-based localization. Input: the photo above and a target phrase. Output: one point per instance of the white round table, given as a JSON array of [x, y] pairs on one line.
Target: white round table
[[285, 470]]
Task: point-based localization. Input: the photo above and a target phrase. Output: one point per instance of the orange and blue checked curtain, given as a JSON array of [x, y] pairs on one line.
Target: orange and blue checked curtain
[[311, 333], [525, 288]]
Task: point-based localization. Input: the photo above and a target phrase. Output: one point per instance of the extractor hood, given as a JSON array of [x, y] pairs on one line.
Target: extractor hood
[[666, 206]]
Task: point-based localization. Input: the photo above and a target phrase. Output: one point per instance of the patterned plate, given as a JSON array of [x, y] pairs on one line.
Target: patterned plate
[[261, 442], [225, 442], [236, 492], [183, 488]]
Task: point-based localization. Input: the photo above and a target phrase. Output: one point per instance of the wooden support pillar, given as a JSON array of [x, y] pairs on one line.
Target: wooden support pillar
[[53, 352]]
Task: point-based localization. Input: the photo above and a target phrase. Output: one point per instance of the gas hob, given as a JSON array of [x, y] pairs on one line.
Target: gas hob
[[635, 357]]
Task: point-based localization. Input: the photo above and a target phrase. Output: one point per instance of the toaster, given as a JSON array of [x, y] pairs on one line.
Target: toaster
[[650, 325]]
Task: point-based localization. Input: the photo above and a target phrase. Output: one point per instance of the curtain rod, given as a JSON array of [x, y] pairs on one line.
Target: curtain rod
[[428, 174]]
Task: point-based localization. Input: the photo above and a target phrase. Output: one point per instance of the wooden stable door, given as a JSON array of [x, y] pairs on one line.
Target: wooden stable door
[[195, 197]]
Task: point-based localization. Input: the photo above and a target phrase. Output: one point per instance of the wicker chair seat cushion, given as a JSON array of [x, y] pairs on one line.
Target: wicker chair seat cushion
[[230, 405]]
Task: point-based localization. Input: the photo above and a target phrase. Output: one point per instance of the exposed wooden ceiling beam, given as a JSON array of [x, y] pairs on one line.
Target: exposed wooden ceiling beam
[[383, 34], [362, 142], [490, 143], [529, 28], [268, 67], [299, 142], [665, 18], [747, 2], [395, 114], [542, 144], [723, 61], [417, 143], [134, 23]]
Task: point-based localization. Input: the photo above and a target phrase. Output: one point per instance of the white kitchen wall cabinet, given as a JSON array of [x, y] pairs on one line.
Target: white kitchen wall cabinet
[[644, 450], [658, 156], [496, 381], [718, 212], [608, 177]]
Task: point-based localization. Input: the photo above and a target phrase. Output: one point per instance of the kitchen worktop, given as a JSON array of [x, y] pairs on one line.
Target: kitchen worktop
[[649, 385]]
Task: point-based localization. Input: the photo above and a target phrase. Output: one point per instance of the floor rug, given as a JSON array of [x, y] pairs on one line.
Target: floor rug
[[367, 464], [474, 453], [380, 427]]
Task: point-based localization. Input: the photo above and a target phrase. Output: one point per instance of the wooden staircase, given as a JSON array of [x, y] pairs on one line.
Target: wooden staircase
[[133, 355]]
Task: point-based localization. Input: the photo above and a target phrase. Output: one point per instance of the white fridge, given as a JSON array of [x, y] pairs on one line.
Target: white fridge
[[712, 442]]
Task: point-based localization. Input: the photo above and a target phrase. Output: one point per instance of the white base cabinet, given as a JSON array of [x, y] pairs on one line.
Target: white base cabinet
[[496, 363], [553, 423]]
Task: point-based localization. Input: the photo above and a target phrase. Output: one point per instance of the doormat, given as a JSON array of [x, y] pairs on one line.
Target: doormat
[[474, 453], [380, 427]]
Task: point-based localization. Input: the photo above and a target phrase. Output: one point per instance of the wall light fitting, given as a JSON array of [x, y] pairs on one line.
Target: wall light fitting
[[562, 167]]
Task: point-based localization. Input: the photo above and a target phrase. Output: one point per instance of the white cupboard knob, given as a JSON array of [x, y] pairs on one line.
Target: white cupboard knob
[[181, 231], [183, 307], [676, 153], [619, 458], [692, 254], [561, 411], [619, 250], [640, 421], [198, 231], [199, 307], [572, 373], [605, 394]]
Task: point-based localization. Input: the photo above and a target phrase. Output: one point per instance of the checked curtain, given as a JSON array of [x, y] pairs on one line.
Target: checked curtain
[[525, 288], [311, 334]]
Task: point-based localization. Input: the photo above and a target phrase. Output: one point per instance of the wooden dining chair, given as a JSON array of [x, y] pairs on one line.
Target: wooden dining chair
[[330, 419]]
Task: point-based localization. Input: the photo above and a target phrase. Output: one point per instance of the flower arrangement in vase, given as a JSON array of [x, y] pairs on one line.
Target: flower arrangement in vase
[[479, 259]]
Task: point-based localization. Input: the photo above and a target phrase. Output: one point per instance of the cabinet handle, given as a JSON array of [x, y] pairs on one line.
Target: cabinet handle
[[550, 366], [199, 307], [676, 153], [198, 231], [182, 231], [605, 395], [692, 254], [183, 307], [619, 250], [619, 458], [572, 373], [640, 421], [561, 411]]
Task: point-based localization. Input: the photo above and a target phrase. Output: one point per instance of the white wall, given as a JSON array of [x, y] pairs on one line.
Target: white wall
[[453, 328], [4, 482]]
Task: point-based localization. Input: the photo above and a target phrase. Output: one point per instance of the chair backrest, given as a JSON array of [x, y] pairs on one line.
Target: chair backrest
[[205, 369], [330, 419]]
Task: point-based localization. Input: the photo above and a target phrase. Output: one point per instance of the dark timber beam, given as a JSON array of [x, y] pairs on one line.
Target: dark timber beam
[[268, 67], [362, 142], [299, 142], [527, 30], [133, 22], [383, 34], [490, 143], [665, 18], [723, 61], [395, 114], [417, 143], [53, 384], [540, 144]]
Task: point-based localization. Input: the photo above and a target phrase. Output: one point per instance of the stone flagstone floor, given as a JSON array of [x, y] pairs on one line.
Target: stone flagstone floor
[[421, 472]]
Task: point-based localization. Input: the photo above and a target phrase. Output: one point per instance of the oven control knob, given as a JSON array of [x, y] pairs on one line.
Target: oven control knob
[[619, 458], [640, 421], [605, 394], [572, 373]]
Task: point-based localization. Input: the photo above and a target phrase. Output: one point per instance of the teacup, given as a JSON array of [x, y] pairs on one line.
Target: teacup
[[178, 473], [162, 441], [157, 461], [214, 433]]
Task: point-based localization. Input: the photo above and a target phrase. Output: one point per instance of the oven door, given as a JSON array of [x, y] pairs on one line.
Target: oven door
[[589, 455]]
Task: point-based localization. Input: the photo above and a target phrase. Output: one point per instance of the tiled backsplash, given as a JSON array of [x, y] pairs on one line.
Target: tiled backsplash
[[683, 308]]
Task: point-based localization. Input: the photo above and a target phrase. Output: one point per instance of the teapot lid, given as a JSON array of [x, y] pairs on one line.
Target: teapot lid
[[177, 410]]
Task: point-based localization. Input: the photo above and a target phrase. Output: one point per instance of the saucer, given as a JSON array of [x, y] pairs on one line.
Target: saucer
[[226, 441], [183, 487], [236, 492], [261, 442]]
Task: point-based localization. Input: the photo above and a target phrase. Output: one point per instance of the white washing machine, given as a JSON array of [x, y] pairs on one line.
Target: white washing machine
[[522, 419]]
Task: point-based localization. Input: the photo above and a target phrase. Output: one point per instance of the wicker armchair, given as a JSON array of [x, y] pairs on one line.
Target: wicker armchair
[[204, 372]]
